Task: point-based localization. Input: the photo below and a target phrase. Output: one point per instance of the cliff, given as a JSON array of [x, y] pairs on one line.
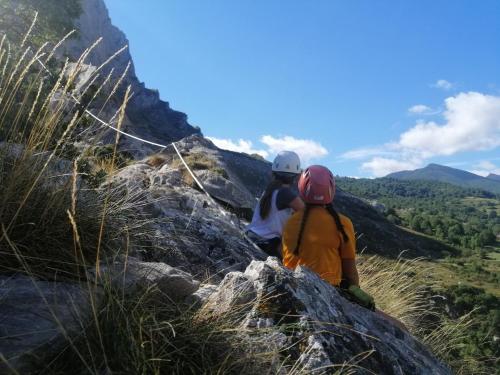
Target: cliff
[[147, 115]]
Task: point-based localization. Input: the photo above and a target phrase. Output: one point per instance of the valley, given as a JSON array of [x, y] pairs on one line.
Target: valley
[[467, 219]]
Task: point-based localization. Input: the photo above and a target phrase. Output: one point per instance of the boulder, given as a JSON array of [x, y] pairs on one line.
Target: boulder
[[201, 296], [319, 330], [226, 191], [133, 275], [37, 318]]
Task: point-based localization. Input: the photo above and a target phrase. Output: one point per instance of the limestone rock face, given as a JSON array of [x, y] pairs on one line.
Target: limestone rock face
[[319, 329], [147, 115], [131, 275], [192, 232], [36, 317]]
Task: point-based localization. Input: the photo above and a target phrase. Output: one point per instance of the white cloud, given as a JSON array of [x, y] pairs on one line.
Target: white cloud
[[486, 164], [420, 109], [307, 149], [485, 167], [363, 153], [443, 84], [380, 167], [471, 123], [239, 146]]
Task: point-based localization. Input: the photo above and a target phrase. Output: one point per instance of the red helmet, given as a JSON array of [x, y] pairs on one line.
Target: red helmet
[[317, 185]]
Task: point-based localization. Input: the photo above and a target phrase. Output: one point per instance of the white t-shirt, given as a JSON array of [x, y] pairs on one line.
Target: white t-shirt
[[272, 225]]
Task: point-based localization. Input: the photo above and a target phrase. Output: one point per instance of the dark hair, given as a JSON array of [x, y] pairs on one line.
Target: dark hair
[[279, 179], [305, 216]]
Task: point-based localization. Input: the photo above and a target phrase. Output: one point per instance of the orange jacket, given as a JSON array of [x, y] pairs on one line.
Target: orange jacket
[[322, 247]]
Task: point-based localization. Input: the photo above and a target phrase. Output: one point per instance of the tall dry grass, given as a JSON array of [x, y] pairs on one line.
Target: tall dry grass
[[39, 118], [397, 288], [149, 334], [403, 289]]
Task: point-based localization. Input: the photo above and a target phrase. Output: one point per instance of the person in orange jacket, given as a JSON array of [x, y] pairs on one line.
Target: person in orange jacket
[[323, 240], [319, 237]]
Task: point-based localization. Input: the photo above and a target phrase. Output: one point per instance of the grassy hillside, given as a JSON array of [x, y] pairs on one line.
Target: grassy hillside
[[469, 219], [444, 211]]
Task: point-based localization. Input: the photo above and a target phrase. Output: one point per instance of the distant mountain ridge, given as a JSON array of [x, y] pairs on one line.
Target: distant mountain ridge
[[436, 172], [494, 177]]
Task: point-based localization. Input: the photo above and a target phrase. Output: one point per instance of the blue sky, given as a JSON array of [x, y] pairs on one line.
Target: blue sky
[[363, 87]]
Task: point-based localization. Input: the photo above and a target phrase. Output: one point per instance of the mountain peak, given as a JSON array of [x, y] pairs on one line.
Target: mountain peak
[[437, 172], [493, 176]]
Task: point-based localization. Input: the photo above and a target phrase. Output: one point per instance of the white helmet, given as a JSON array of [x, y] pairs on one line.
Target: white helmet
[[287, 162]]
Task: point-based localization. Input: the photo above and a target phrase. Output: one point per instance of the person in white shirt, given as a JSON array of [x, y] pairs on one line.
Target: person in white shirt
[[277, 204]]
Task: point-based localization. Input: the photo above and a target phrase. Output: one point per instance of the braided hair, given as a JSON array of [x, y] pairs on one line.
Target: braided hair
[[305, 216], [339, 224]]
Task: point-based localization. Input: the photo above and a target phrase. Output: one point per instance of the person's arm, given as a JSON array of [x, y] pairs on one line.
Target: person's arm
[[297, 204], [350, 272], [348, 253]]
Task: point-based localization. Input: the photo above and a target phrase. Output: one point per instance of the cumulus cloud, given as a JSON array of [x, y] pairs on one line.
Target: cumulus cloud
[[363, 153], [240, 145], [381, 167], [419, 109], [307, 149], [443, 84], [486, 164], [471, 122]]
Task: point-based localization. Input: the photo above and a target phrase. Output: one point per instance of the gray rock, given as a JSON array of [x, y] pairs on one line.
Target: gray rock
[[201, 296], [322, 330], [193, 233], [36, 319], [226, 191], [134, 275]]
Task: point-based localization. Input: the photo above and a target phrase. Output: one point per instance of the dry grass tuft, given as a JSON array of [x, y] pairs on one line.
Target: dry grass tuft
[[396, 287], [402, 289], [200, 161], [38, 122], [147, 333], [156, 161]]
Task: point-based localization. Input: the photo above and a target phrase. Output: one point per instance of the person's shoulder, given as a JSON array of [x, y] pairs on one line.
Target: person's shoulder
[[294, 220], [345, 220]]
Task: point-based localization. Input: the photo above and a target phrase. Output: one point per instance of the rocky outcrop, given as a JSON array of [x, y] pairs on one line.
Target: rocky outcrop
[[193, 233], [132, 275], [147, 115], [314, 327], [37, 318]]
